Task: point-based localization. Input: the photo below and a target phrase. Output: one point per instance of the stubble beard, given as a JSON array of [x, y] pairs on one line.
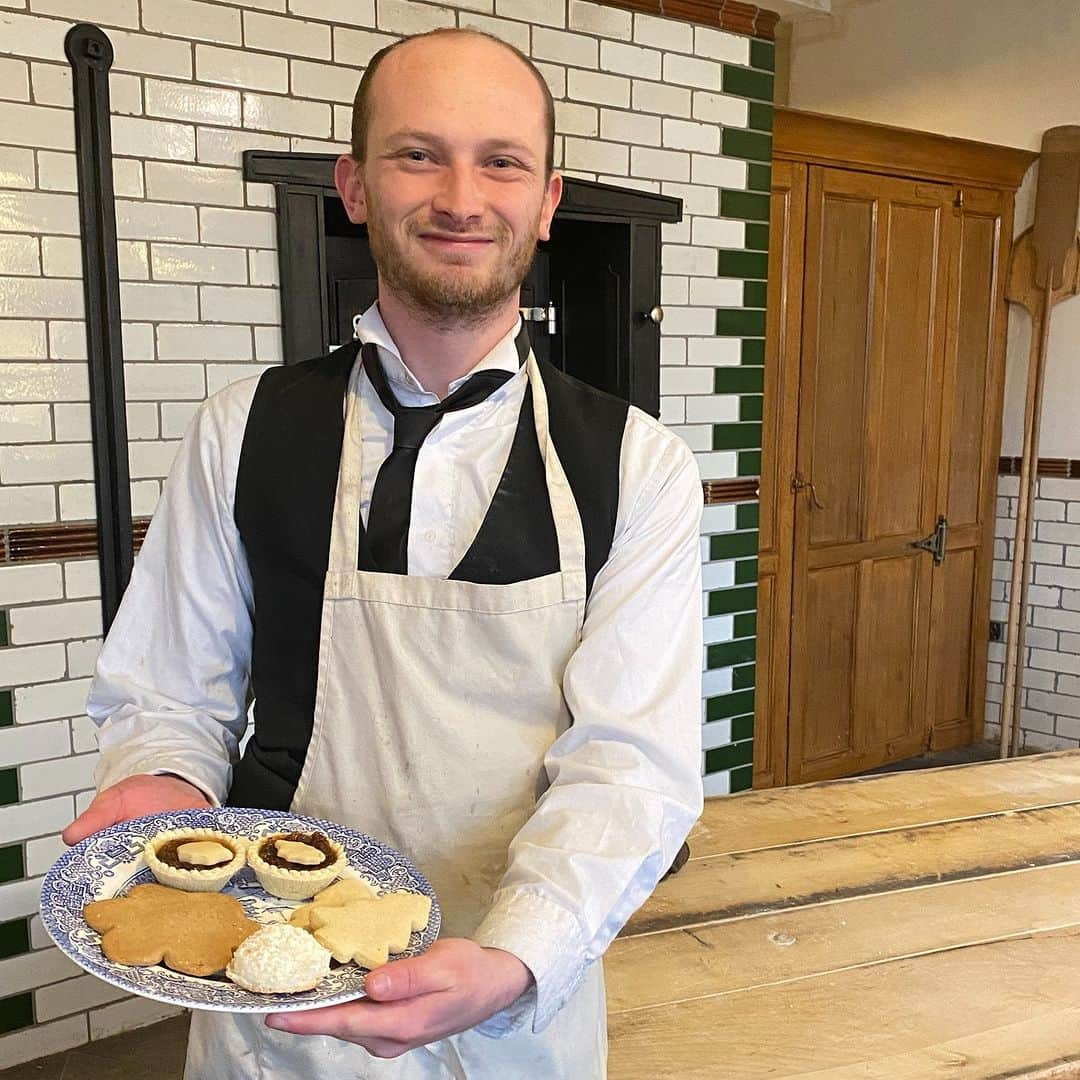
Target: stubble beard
[[446, 299]]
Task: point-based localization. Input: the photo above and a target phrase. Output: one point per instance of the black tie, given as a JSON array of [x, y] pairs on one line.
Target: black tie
[[391, 499]]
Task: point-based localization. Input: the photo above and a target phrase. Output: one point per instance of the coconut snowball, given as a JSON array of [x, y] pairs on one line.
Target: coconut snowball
[[279, 959]]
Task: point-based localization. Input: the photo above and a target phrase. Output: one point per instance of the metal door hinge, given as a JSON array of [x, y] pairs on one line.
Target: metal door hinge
[[798, 484], [541, 314], [936, 541]]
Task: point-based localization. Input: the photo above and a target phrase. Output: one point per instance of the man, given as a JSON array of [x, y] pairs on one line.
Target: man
[[474, 633]]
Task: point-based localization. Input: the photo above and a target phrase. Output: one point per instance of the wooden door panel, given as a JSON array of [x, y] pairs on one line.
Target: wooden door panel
[[952, 693]]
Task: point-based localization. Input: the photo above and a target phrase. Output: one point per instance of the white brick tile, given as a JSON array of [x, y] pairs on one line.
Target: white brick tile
[[56, 171], [1052, 661], [34, 742], [221, 303], [61, 256], [53, 701], [718, 628], [223, 147], [325, 82], [545, 12], [689, 71], [63, 775], [659, 98], [722, 465], [164, 382], [82, 656], [52, 86], [630, 60], [672, 410], [30, 583], [1056, 704], [106, 12], [716, 292], [659, 164], [72, 422], [30, 970], [221, 375], [674, 289], [357, 47], [37, 37], [14, 80], [31, 664], [286, 36], [718, 575], [193, 19], [73, 995], [672, 351], [688, 135], [138, 342], [719, 45], [713, 682], [192, 104], [718, 171], [28, 819], [125, 1015], [555, 77], [663, 33], [43, 382], [595, 19], [40, 855], [198, 263], [268, 345], [27, 505], [77, 502], [56, 622], [407, 17], [42, 1039], [137, 137], [22, 339], [1058, 620], [596, 156], [41, 298], [84, 735], [697, 437], [1056, 532], [677, 259], [45, 464], [159, 301], [1065, 577], [718, 519], [19, 255], [628, 127], [487, 6], [261, 195], [710, 351], [203, 342], [718, 232], [676, 232], [698, 199], [342, 123], [1052, 488], [721, 109], [596, 87], [175, 418], [151, 459], [574, 50], [277, 114], [686, 380], [35, 211], [16, 167], [263, 268], [241, 68], [574, 119], [237, 228], [718, 783], [198, 184], [25, 424], [144, 497], [147, 54], [712, 409], [515, 33], [355, 13]]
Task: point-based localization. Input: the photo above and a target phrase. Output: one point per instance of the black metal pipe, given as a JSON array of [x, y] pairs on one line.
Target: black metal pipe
[[90, 53]]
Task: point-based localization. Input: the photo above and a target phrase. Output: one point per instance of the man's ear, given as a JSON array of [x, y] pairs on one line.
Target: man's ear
[[349, 180], [550, 204]]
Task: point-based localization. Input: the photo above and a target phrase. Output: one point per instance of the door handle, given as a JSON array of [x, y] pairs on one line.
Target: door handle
[[936, 541], [798, 484]]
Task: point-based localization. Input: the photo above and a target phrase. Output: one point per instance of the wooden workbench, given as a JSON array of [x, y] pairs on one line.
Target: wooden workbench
[[898, 927]]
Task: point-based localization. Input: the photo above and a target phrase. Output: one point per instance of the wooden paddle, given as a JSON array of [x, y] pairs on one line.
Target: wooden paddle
[[1044, 271]]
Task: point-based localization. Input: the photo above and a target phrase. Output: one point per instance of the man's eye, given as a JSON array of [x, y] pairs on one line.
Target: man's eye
[[502, 163], [416, 155]]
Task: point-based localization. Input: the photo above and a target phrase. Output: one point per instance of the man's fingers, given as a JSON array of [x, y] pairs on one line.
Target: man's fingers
[[100, 814], [357, 1021], [410, 978]]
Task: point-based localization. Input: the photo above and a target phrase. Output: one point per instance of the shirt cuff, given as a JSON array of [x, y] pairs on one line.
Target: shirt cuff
[[547, 939]]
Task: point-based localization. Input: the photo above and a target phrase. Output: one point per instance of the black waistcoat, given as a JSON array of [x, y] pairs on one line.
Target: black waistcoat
[[285, 488]]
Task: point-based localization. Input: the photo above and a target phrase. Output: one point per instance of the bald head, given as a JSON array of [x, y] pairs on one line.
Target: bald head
[[474, 63]]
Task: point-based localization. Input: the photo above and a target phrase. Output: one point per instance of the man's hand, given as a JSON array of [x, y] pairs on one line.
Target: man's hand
[[455, 985], [132, 798]]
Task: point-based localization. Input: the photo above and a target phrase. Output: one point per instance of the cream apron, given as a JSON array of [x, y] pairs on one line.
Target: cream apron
[[436, 702]]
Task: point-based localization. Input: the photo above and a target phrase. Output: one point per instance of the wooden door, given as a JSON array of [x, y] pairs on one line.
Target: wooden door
[[875, 296]]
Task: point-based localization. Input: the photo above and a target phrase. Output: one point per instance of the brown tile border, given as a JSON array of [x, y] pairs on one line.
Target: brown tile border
[[1060, 468], [731, 15], [78, 540]]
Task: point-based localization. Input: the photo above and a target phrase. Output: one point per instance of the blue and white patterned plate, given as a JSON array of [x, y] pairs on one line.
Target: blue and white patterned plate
[[110, 862]]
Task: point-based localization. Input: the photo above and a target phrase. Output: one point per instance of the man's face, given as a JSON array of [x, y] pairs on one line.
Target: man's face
[[453, 190]]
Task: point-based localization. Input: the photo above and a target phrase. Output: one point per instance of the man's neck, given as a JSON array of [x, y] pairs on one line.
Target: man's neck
[[437, 355]]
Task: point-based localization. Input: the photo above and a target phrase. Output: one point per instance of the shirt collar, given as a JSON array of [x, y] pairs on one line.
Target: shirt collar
[[370, 327]]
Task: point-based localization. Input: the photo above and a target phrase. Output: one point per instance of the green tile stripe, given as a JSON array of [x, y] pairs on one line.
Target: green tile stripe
[[746, 572], [742, 264], [736, 436], [741, 779], [729, 757], [733, 545], [746, 205], [742, 727], [757, 237], [719, 708], [751, 406], [762, 54], [748, 145], [759, 177], [729, 601], [761, 116], [740, 322], [7, 708], [742, 678], [745, 625], [9, 786], [728, 654], [752, 354], [12, 866], [742, 82], [749, 463], [14, 937], [738, 380], [747, 515], [16, 1012], [753, 294], [5, 637]]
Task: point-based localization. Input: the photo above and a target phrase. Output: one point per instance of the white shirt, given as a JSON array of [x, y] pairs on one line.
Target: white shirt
[[170, 691]]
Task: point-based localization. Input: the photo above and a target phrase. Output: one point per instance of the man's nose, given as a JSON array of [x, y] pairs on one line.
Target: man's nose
[[459, 195]]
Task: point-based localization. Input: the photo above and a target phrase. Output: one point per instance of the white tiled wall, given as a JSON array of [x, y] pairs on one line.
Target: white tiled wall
[[195, 82]]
